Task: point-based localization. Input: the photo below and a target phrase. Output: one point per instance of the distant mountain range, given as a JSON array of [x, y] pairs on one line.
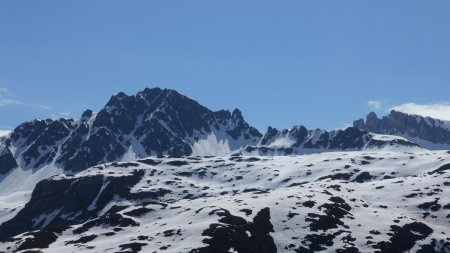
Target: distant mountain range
[[157, 122], [428, 132], [158, 172]]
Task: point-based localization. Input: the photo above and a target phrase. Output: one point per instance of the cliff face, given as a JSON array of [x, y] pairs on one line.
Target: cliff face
[[397, 123], [152, 122]]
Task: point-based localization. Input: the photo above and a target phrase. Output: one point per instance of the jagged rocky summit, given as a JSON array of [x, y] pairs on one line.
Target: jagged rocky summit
[[158, 122], [153, 122], [299, 140], [428, 132], [158, 172]]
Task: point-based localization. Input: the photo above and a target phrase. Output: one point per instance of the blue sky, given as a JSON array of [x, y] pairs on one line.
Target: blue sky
[[283, 63]]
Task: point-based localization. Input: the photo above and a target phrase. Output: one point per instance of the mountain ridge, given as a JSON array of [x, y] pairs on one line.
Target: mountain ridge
[[299, 140], [157, 171], [153, 122], [156, 122], [431, 130]]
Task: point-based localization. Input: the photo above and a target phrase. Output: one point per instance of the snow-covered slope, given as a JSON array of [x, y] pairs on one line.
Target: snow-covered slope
[[365, 201]]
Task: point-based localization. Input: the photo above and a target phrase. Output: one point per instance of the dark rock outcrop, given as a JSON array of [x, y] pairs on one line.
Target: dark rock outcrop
[[152, 122], [398, 123], [234, 232], [7, 160], [68, 200], [404, 238], [299, 140]]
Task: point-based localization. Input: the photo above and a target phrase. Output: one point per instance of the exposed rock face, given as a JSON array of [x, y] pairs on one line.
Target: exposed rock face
[[157, 122], [69, 200], [232, 233], [398, 123], [7, 160], [152, 122], [299, 140]]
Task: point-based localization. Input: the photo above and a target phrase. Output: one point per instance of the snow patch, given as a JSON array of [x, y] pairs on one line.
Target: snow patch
[[427, 144], [4, 132], [11, 204], [130, 155], [93, 205], [44, 219], [385, 137], [282, 142], [211, 146], [20, 179]]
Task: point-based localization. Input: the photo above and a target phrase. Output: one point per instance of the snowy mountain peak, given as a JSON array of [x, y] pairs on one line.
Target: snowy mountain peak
[[428, 132], [236, 116], [86, 114], [157, 122], [158, 172], [152, 122], [299, 140]]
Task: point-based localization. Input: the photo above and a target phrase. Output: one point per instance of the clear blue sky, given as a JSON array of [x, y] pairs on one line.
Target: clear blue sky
[[283, 63]]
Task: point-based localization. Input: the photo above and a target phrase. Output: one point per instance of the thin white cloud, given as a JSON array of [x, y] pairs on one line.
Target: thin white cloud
[[375, 105], [42, 107], [4, 92], [434, 110], [7, 99]]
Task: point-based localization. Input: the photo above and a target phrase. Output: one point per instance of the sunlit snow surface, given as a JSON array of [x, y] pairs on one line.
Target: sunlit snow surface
[[283, 184], [211, 145], [4, 132], [25, 179]]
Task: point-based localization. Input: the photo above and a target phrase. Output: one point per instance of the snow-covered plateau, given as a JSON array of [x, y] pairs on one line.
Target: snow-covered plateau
[[359, 201]]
